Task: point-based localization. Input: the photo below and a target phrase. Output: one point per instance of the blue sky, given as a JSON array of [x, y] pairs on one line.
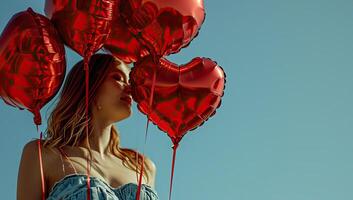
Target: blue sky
[[284, 130]]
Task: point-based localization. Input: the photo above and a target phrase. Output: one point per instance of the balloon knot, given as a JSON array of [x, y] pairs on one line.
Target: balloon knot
[[37, 118]]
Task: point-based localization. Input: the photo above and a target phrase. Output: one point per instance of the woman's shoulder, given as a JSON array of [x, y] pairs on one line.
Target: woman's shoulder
[[28, 174], [151, 164], [33, 147], [151, 167], [31, 150], [151, 170], [30, 153]]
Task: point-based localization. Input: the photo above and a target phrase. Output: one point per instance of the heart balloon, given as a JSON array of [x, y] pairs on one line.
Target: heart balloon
[[121, 42], [84, 25], [163, 26], [32, 62], [184, 96]]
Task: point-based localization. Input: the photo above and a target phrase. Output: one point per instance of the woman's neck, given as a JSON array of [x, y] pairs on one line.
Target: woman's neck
[[99, 139]]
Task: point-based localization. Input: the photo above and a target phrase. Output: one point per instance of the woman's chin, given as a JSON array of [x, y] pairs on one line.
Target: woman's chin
[[129, 112], [126, 112]]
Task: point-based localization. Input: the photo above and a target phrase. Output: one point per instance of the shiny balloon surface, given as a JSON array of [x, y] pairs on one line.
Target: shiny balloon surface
[[184, 96], [33, 62], [164, 26]]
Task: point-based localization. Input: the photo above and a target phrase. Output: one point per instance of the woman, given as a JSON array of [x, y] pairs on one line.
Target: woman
[[113, 171]]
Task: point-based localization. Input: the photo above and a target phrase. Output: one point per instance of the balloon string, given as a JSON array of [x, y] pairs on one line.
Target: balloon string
[[41, 163], [172, 173], [142, 164], [143, 160], [136, 168], [175, 146], [146, 133], [136, 160], [86, 68], [140, 181]]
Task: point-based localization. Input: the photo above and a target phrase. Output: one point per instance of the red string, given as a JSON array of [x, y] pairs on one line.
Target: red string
[[140, 181], [175, 141], [136, 169], [41, 163], [173, 163], [148, 120], [86, 68], [142, 164]]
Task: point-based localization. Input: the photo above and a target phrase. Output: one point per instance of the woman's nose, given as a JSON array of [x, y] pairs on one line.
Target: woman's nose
[[127, 89]]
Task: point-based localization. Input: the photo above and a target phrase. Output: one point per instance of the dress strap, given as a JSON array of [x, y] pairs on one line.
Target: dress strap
[[62, 161], [62, 152]]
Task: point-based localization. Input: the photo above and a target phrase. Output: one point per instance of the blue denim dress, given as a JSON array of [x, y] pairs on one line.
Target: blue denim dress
[[74, 187]]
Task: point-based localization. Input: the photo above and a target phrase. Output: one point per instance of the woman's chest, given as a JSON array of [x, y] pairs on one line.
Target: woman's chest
[[112, 171]]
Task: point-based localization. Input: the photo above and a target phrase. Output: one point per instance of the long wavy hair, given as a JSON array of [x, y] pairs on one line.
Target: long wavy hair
[[67, 121]]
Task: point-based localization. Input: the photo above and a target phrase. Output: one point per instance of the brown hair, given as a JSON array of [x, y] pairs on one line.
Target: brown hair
[[67, 122]]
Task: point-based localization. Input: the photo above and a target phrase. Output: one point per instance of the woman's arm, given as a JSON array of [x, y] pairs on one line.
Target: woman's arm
[[29, 178]]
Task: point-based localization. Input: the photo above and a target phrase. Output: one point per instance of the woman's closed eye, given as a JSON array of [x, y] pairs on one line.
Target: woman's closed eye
[[118, 77]]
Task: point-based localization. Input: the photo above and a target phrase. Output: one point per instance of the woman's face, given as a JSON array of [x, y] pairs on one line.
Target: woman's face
[[114, 96]]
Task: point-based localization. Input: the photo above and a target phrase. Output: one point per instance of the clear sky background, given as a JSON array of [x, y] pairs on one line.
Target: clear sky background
[[284, 129]]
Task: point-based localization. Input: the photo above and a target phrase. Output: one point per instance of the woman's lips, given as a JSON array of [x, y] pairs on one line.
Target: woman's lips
[[126, 99]]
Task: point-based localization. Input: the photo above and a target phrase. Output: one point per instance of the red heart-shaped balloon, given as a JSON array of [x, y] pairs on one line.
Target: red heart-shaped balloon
[[121, 42], [32, 62], [164, 26], [84, 25], [184, 97]]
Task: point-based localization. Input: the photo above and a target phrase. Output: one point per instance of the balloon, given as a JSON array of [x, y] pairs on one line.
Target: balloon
[[164, 26], [184, 97], [122, 43], [84, 25], [32, 62]]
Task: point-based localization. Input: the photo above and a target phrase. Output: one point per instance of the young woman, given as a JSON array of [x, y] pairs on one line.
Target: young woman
[[113, 171]]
